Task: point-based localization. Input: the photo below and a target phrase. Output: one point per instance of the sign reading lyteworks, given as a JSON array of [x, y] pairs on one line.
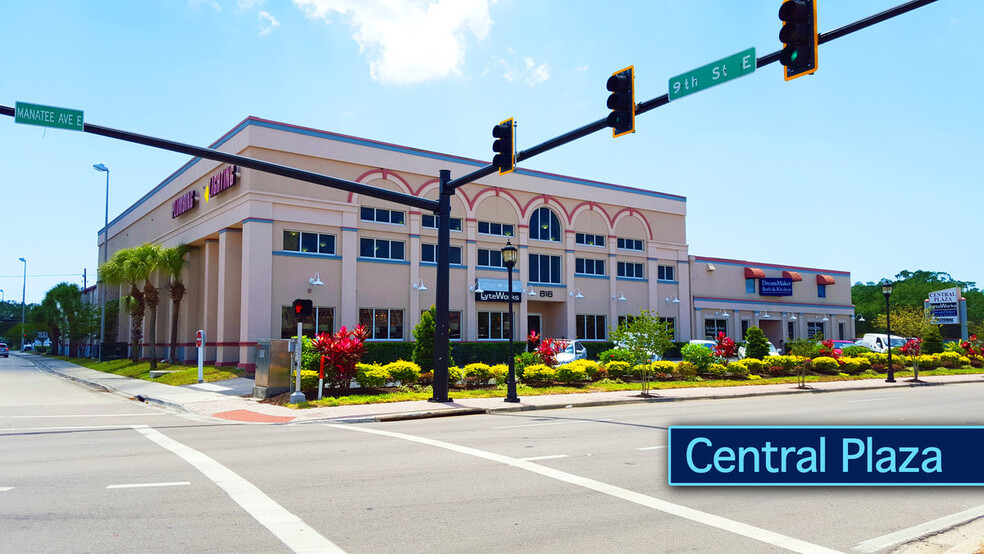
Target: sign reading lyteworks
[[775, 286], [48, 116], [498, 296]]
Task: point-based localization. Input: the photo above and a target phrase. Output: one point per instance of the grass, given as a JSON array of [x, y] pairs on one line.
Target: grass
[[183, 374]]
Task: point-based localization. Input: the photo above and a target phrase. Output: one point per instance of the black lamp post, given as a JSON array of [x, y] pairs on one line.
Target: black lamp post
[[509, 256], [887, 291]]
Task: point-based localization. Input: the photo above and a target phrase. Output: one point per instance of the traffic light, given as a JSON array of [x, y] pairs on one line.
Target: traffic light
[[622, 102], [504, 146], [303, 309], [799, 37]]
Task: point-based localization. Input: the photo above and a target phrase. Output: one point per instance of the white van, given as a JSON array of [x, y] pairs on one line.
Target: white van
[[876, 342]]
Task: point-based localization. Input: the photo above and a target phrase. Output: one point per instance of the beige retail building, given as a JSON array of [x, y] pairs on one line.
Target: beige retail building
[[590, 252]]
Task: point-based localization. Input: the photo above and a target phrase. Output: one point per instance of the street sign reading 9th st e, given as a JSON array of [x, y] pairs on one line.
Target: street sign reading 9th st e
[[48, 116]]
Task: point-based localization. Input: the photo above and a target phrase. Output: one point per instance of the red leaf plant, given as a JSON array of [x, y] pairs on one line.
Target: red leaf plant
[[725, 347], [827, 349], [548, 350], [340, 352]]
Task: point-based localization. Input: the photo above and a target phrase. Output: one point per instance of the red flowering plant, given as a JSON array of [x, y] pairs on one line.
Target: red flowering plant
[[548, 350], [532, 341], [725, 347], [912, 348], [826, 348], [339, 354], [973, 346]]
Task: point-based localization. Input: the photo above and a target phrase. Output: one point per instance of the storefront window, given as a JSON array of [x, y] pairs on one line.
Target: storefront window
[[322, 322], [590, 327], [544, 225], [714, 326], [493, 325], [382, 323]]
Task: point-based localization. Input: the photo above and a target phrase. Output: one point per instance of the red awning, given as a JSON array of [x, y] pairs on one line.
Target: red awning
[[754, 273], [792, 275], [825, 280]]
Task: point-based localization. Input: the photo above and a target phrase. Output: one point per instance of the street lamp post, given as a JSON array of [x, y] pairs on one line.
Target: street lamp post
[[887, 291], [509, 256], [23, 304], [102, 287]]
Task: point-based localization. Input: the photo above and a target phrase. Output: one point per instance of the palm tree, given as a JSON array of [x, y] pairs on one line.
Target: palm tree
[[173, 262], [148, 258], [125, 268]]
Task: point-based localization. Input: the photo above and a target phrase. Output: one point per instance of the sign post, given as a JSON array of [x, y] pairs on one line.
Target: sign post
[[200, 344]]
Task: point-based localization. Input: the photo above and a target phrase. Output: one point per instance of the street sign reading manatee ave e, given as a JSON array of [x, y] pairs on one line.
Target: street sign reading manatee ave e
[[48, 116]]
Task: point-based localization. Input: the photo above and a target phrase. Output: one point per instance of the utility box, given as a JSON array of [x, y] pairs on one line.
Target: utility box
[[272, 368]]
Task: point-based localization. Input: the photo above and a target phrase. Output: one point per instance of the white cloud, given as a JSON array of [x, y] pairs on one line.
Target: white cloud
[[525, 70], [267, 23], [196, 4], [408, 41], [246, 5]]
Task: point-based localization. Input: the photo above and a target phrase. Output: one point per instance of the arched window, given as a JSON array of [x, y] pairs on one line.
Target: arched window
[[544, 225]]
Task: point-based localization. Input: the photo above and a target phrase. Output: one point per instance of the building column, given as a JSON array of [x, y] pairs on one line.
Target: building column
[[686, 301], [210, 298], [190, 310], [349, 309], [229, 297], [256, 300]]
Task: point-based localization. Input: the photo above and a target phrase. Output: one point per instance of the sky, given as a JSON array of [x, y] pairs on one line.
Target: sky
[[867, 166]]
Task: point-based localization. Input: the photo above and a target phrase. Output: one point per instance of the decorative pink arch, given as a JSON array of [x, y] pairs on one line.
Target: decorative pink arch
[[631, 212]]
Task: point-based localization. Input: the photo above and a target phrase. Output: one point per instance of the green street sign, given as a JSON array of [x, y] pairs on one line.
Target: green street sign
[[48, 116], [725, 69]]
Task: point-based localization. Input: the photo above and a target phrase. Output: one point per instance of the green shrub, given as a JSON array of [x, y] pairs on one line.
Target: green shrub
[[500, 372], [718, 370], [803, 347], [539, 374], [756, 345], [756, 366], [825, 364], [407, 373], [664, 366], [486, 352], [850, 366], [640, 371], [741, 368], [950, 359], [932, 341], [454, 374], [595, 348], [525, 360], [617, 369], [685, 370], [590, 368], [854, 351], [309, 383], [383, 353], [615, 355], [698, 355], [477, 372], [864, 364], [370, 376], [928, 361], [571, 373]]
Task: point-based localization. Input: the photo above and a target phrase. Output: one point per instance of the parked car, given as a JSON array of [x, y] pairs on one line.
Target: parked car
[[876, 342], [4, 351], [573, 351], [840, 345], [772, 350], [709, 344], [653, 357], [27, 347]]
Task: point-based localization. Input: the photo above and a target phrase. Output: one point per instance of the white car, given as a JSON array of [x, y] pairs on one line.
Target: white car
[[772, 350], [573, 351]]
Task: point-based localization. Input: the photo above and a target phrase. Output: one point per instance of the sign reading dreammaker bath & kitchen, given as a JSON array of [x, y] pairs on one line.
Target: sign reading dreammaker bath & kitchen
[[775, 286], [825, 456]]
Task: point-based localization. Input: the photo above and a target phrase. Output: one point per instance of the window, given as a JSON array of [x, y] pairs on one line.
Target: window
[[544, 269], [544, 225], [821, 291], [587, 266], [790, 330], [589, 240], [322, 322], [814, 328], [490, 258], [665, 272], [493, 325], [745, 324], [714, 326], [590, 327], [428, 254], [630, 244], [750, 286], [383, 324], [670, 324], [630, 270], [497, 229], [314, 243], [380, 215], [381, 249], [430, 221]]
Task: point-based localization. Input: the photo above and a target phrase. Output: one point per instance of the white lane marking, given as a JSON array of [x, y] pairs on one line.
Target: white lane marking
[[81, 415], [743, 529], [872, 399], [554, 457], [142, 485], [548, 423], [5, 489], [290, 529], [62, 428], [921, 530], [651, 447]]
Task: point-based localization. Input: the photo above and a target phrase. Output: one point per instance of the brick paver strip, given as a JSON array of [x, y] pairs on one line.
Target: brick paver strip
[[253, 417]]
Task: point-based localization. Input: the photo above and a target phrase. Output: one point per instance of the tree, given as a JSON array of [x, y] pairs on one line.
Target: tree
[[125, 269], [756, 345], [910, 288], [645, 336], [423, 334], [66, 314], [173, 263], [906, 321], [148, 258]]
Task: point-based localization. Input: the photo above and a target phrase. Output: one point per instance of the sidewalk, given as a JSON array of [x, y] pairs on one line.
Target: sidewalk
[[229, 399]]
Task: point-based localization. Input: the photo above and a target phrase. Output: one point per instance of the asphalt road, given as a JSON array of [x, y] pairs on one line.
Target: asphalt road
[[89, 471]]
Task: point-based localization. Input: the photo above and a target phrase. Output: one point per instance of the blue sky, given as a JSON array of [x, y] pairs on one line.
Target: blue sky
[[881, 176]]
